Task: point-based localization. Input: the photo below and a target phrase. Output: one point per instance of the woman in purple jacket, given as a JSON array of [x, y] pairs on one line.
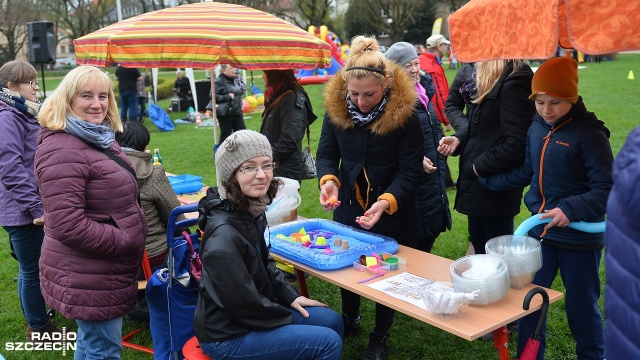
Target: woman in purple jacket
[[21, 214], [95, 229]]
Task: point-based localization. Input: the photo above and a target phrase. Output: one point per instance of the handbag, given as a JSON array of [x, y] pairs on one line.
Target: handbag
[[309, 170], [222, 109], [195, 265]]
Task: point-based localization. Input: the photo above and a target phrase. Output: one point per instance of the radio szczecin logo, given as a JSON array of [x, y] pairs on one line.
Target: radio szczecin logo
[[57, 341]]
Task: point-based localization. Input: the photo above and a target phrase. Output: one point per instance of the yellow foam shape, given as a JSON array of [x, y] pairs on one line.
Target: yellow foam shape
[[305, 238], [321, 240], [302, 231], [281, 236], [370, 260]]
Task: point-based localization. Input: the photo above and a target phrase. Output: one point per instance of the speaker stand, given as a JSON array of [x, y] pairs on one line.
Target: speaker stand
[[44, 87]]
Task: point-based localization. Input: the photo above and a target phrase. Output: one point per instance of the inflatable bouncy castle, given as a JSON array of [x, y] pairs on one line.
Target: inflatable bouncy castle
[[339, 54]]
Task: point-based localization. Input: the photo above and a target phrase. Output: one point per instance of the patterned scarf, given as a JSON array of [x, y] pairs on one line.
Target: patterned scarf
[[14, 99], [100, 136], [469, 90], [361, 119]]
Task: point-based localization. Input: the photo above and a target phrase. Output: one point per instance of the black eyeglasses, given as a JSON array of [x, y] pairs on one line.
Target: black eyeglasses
[[34, 84], [253, 170]]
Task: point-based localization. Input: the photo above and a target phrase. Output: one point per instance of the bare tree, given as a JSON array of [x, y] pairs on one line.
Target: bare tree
[[153, 5], [311, 12], [393, 17], [80, 17], [14, 16]]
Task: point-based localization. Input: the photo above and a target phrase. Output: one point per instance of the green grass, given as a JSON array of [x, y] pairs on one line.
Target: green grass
[[606, 91]]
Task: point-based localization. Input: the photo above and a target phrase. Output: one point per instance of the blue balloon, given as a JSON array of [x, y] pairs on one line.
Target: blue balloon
[[535, 220]]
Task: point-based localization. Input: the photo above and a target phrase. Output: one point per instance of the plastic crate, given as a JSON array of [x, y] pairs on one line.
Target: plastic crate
[[185, 183]]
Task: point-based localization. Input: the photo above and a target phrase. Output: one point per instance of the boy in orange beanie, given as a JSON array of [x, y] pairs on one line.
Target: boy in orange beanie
[[568, 167]]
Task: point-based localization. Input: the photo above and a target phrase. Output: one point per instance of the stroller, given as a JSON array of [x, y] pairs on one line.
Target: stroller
[[171, 294]]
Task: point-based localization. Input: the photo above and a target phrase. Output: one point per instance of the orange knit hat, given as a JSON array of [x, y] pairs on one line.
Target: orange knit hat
[[557, 77]]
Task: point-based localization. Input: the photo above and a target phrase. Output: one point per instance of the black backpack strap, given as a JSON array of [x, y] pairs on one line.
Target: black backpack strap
[[122, 163]]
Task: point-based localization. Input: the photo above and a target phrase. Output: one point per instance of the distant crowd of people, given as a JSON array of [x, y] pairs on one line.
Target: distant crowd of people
[[82, 201]]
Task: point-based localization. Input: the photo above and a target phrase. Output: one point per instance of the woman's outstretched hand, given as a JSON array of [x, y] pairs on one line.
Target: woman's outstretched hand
[[372, 215], [329, 196], [448, 145]]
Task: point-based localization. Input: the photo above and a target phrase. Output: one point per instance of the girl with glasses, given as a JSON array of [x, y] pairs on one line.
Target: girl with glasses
[[245, 307]]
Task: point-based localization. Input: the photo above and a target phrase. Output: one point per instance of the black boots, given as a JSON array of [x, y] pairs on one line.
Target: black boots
[[351, 325], [377, 349]]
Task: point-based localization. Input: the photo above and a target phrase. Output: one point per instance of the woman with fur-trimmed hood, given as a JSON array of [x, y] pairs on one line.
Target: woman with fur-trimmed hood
[[370, 159]]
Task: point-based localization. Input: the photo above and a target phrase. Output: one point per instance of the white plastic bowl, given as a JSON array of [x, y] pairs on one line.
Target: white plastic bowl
[[486, 273], [522, 255]]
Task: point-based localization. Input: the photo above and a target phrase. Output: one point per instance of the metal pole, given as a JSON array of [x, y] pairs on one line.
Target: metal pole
[[119, 9], [44, 87]]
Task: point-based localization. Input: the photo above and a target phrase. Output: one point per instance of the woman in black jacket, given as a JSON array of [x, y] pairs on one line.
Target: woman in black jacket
[[287, 113], [229, 102], [370, 158], [245, 308], [493, 142], [432, 203]]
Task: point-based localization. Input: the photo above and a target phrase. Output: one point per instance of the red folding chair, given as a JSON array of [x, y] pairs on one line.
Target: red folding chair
[[142, 285]]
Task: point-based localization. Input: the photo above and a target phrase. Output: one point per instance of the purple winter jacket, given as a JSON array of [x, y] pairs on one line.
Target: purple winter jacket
[[19, 198], [94, 228]]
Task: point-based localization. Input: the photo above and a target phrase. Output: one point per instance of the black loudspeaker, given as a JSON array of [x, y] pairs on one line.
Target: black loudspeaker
[[42, 42]]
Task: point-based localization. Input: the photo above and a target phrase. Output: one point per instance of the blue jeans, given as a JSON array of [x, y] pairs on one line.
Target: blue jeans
[[482, 230], [27, 242], [97, 340], [579, 271], [129, 103], [317, 337]]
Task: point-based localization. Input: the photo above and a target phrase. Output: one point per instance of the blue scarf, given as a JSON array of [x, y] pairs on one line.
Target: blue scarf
[[361, 119], [100, 136]]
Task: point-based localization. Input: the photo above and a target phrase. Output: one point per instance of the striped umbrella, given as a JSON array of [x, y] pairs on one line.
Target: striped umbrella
[[201, 36]]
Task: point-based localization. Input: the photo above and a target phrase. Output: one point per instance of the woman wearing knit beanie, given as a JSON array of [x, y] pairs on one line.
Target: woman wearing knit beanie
[[568, 167], [432, 202], [245, 308]]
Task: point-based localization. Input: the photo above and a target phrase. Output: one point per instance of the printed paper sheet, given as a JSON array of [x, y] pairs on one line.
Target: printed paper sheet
[[401, 287]]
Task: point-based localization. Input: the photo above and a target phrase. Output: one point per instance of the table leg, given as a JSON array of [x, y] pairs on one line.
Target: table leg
[[302, 282], [501, 342]]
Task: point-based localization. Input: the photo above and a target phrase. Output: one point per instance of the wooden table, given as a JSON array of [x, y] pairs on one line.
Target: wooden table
[[478, 320]]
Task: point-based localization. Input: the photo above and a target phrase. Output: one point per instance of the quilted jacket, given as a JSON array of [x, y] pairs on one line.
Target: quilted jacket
[[94, 228]]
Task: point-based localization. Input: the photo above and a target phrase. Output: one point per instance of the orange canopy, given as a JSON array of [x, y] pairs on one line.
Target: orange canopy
[[533, 29]]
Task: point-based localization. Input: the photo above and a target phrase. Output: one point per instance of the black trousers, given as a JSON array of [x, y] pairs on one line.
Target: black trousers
[[229, 124], [351, 308]]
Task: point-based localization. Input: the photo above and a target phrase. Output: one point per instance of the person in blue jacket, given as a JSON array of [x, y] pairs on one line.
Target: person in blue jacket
[[621, 300], [568, 167]]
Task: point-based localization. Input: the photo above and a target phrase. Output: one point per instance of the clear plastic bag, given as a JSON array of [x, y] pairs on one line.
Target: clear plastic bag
[[441, 299]]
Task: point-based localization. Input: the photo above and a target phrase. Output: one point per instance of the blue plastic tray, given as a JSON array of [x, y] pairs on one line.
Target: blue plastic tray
[[360, 243], [185, 183]]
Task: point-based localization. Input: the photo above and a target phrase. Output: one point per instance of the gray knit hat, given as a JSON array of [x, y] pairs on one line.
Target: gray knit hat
[[401, 53], [239, 147]]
